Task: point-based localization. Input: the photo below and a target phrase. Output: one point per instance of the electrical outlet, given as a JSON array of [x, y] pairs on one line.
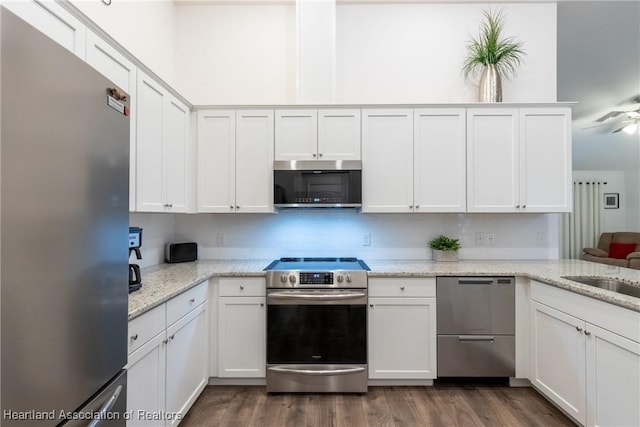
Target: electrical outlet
[[366, 239], [491, 238], [541, 238], [480, 238], [221, 240]]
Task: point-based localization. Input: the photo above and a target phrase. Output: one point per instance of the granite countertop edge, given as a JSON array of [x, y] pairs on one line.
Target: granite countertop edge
[[165, 281]]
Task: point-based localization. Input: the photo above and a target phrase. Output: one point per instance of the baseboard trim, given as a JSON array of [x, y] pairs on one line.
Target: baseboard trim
[[519, 382], [237, 381]]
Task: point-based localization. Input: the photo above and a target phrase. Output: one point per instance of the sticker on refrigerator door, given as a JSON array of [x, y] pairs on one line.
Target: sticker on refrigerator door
[[113, 100]]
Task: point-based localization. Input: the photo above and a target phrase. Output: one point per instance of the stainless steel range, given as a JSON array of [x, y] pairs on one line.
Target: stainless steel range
[[317, 325]]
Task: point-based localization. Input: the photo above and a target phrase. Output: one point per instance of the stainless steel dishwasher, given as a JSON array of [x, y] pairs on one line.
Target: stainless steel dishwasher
[[476, 326]]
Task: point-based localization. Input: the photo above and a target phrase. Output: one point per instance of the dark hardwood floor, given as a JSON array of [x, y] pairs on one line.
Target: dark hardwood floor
[[440, 405]]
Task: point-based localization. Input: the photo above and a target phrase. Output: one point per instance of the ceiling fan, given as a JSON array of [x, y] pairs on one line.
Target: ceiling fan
[[625, 119]]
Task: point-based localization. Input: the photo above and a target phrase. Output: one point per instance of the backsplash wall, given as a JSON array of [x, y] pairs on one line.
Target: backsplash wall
[[344, 233]]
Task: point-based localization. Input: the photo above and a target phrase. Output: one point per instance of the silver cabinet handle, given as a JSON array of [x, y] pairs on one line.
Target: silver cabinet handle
[[587, 333], [402, 288], [261, 304], [102, 413], [164, 341], [192, 300], [320, 155], [517, 206], [468, 338], [230, 207], [578, 328], [241, 288], [417, 206], [134, 337], [371, 305], [410, 206], [524, 206], [319, 372], [172, 337], [237, 207], [314, 154]]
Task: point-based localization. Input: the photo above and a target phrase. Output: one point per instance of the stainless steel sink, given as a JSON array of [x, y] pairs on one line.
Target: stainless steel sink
[[607, 283]]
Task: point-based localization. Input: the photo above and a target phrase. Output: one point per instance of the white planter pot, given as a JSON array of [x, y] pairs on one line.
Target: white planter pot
[[447, 256]]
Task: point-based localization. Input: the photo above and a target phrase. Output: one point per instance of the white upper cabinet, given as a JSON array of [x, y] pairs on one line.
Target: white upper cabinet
[[254, 161], [162, 149], [307, 134], [117, 68], [53, 20], [519, 160], [387, 160], [339, 134], [216, 161], [296, 134], [492, 160], [235, 161], [545, 160], [439, 160]]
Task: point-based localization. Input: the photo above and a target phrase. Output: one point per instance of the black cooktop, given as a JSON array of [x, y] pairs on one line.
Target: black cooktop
[[318, 264]]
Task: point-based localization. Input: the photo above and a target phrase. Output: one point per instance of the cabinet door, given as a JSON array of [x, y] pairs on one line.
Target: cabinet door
[[254, 161], [187, 361], [296, 134], [174, 156], [613, 379], [116, 67], [545, 160], [339, 134], [241, 337], [146, 380], [558, 361], [387, 160], [149, 131], [439, 159], [402, 338], [216, 161], [54, 21], [492, 160]]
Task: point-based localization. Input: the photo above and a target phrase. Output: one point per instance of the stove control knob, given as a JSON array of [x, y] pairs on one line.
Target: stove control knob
[[292, 279], [340, 278], [283, 278], [348, 278]]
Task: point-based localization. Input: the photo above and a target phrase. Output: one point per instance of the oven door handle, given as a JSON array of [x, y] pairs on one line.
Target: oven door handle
[[317, 297], [317, 372]]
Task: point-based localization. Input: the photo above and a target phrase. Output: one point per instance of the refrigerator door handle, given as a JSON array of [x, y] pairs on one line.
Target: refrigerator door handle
[[102, 413]]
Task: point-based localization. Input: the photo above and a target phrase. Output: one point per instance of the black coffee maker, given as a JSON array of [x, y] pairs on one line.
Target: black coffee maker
[[135, 241]]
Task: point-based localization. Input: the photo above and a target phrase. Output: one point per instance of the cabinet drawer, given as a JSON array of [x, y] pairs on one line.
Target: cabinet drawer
[[241, 286], [402, 287], [186, 301], [145, 327]]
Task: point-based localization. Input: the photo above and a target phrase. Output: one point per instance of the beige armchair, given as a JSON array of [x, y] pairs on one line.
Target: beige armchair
[[616, 254]]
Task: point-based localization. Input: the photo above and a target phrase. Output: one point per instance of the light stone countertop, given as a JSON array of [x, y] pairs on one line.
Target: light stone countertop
[[162, 282]]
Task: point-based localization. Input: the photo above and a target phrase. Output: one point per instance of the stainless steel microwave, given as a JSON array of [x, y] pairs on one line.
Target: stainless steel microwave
[[317, 184]]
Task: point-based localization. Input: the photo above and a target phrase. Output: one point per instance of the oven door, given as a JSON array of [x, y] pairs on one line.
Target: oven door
[[317, 326], [316, 341]]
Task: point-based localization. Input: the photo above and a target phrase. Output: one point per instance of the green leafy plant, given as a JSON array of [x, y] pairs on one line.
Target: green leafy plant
[[444, 243], [506, 54]]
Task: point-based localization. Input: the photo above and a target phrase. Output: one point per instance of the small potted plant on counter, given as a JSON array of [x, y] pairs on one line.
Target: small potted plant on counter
[[444, 248]]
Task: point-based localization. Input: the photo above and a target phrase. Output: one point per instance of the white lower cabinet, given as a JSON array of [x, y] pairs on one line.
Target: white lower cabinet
[[402, 329], [241, 327], [592, 373], [168, 372]]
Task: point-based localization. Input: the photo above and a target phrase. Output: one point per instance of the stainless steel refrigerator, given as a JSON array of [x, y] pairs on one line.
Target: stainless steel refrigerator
[[64, 159]]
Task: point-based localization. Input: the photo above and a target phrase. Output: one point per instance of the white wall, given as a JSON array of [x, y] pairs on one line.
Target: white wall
[[340, 233], [236, 54], [385, 53], [413, 53], [146, 28]]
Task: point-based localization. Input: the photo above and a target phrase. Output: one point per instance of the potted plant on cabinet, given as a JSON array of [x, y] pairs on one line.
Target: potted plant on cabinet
[[497, 57], [444, 248]]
